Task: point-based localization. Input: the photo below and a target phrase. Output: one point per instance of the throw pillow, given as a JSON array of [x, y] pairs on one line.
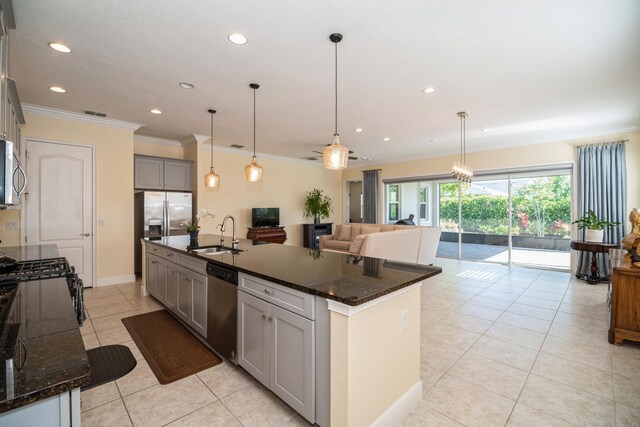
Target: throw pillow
[[368, 229], [356, 230], [345, 233], [356, 244]]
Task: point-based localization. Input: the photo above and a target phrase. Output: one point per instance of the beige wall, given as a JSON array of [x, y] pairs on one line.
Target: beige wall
[[114, 185], [530, 155], [283, 185], [148, 148], [373, 362], [9, 237]]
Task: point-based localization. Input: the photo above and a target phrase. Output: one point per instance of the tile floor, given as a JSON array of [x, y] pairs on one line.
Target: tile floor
[[500, 346]]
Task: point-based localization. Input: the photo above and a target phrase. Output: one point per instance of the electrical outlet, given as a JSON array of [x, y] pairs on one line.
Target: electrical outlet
[[404, 319], [11, 225]]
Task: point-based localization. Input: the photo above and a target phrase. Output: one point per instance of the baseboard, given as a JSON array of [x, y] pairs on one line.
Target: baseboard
[[401, 408], [116, 280]]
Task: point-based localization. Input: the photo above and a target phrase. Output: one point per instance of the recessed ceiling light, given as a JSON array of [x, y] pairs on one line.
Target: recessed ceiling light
[[155, 111], [59, 47], [57, 89], [486, 130], [428, 90], [185, 85], [432, 140], [386, 139], [358, 129], [237, 38]]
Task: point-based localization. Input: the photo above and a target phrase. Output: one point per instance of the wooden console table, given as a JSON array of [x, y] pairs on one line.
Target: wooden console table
[[594, 248], [625, 302], [267, 234]]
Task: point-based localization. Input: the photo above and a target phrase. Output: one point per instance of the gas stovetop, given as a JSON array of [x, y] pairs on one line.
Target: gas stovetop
[[38, 269]]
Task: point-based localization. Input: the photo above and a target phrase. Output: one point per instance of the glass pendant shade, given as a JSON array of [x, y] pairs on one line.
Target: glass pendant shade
[[253, 171], [212, 179], [336, 155]]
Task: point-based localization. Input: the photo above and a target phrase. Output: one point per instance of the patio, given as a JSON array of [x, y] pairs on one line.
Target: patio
[[500, 254]]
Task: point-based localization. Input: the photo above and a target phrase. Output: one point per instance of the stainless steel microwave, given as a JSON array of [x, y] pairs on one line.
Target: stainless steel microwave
[[13, 179]]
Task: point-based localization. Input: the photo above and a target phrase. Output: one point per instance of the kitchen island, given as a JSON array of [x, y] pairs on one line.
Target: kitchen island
[[336, 336], [40, 384]]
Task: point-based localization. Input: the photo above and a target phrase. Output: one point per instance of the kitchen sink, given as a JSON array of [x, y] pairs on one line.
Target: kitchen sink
[[216, 250]]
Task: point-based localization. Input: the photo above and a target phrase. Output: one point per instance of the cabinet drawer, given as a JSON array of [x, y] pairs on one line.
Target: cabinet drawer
[[289, 299], [153, 249], [167, 254], [193, 263]]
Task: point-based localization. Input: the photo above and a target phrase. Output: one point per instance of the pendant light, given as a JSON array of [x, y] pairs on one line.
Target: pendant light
[[253, 171], [460, 171], [212, 179], [335, 156]]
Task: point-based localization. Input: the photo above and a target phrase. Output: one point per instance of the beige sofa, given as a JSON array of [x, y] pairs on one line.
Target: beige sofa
[[404, 243]]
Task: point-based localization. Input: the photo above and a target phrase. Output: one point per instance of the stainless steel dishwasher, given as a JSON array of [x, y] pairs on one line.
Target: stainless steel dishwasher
[[222, 310]]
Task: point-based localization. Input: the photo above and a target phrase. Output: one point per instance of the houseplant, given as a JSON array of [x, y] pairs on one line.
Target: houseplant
[[594, 226], [194, 228], [317, 205]]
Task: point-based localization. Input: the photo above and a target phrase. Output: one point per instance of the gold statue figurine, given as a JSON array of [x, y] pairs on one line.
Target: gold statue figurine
[[634, 218]]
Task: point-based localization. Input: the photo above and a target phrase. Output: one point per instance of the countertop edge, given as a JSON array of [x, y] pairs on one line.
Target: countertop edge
[[297, 287], [51, 391]]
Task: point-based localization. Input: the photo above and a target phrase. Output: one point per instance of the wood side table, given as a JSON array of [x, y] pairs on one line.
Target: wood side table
[[594, 248], [267, 234]]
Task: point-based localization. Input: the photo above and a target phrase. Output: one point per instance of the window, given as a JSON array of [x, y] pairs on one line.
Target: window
[[424, 211], [411, 199], [393, 202]]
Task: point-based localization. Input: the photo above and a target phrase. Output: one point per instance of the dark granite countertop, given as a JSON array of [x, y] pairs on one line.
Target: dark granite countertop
[[31, 253], [56, 360], [352, 280]]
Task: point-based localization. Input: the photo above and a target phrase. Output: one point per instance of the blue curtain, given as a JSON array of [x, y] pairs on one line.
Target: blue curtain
[[602, 187], [370, 197]]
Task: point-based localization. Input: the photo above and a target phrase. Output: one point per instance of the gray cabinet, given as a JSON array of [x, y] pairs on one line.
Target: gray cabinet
[[177, 175], [276, 346], [253, 331], [183, 304], [152, 274], [156, 173], [178, 286], [148, 173], [172, 287]]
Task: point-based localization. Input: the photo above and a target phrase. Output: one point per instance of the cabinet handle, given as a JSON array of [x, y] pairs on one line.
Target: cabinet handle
[[270, 318], [267, 291], [187, 277], [154, 262], [264, 316]]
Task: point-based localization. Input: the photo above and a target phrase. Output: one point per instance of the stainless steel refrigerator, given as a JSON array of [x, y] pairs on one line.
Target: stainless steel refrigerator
[[169, 209]]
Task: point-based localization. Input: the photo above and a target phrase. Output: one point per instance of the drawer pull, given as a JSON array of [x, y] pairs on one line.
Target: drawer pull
[[269, 292], [264, 317], [270, 318], [169, 254], [154, 262]]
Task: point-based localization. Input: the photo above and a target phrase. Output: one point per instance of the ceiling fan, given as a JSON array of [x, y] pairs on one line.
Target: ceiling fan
[[320, 156]]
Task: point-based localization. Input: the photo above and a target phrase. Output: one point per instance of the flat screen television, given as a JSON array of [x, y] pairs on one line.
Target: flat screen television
[[265, 217]]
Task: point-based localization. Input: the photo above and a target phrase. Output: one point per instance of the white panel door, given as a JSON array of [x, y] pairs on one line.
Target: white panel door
[[59, 205]]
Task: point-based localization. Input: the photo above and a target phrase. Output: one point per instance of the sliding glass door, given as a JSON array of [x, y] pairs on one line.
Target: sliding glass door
[[513, 217]]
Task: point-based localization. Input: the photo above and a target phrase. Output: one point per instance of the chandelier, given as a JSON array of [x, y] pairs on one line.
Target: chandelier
[[460, 170]]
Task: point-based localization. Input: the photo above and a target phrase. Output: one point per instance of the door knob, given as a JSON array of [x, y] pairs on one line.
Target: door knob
[[86, 234]]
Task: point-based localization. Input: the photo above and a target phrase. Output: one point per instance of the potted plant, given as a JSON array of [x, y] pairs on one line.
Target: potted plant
[[594, 226], [317, 205], [194, 228]]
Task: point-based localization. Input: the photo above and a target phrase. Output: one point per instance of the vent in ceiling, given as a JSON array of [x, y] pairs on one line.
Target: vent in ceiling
[[236, 146], [95, 113]]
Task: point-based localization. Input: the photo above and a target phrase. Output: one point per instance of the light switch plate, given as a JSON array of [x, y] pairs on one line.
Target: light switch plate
[[11, 225]]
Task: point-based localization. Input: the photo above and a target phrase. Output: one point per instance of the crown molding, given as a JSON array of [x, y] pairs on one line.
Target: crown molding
[[78, 117], [155, 140], [193, 139]]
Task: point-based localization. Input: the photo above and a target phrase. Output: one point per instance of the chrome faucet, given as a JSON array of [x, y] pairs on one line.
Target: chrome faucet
[[223, 227]]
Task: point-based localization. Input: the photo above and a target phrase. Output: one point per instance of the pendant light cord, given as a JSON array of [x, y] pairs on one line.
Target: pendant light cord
[[211, 141], [254, 123], [464, 140], [336, 50], [461, 139]]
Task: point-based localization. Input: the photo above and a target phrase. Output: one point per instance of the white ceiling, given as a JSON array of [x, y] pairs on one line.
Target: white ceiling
[[531, 70]]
